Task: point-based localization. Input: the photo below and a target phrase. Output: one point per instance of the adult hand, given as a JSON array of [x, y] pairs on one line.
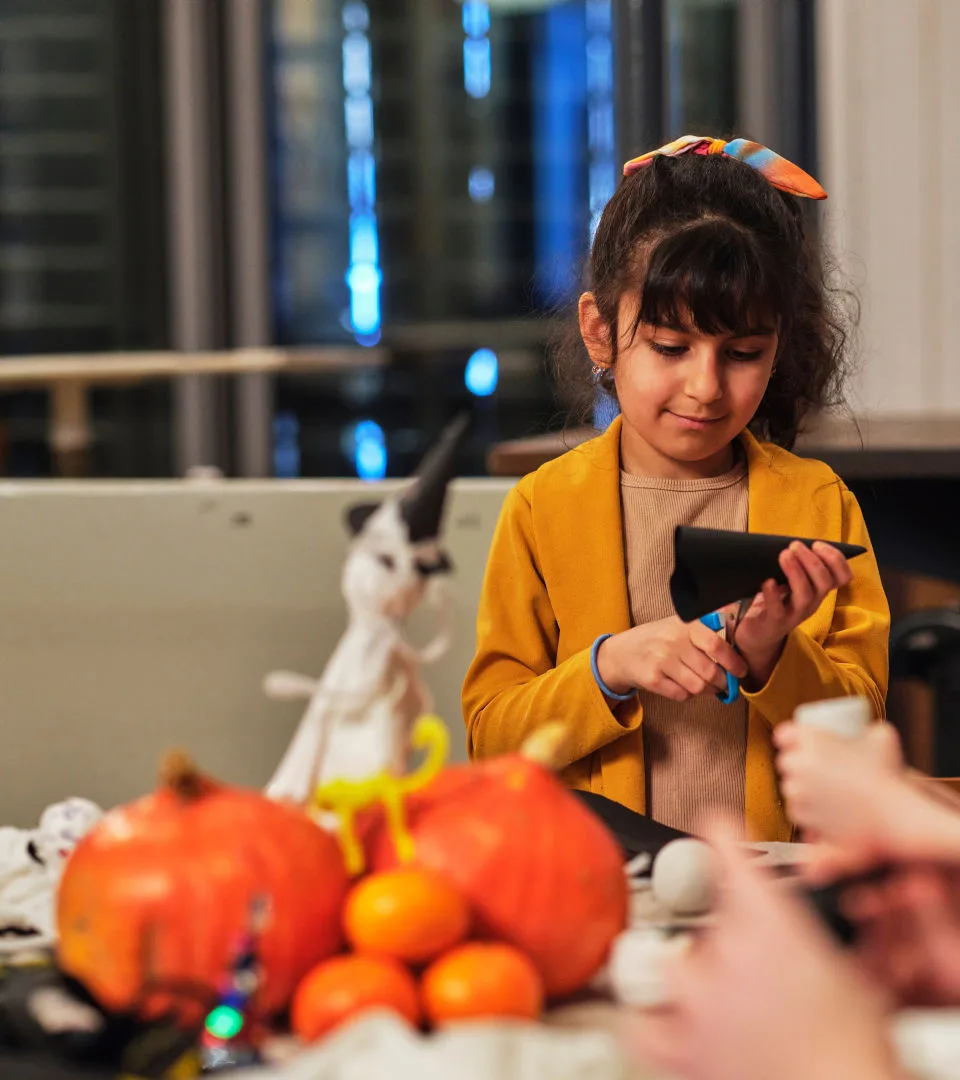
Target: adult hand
[[868, 811], [909, 932], [839, 789], [764, 993], [865, 808]]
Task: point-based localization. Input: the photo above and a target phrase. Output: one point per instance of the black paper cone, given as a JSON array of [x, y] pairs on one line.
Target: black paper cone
[[636, 833], [715, 567], [422, 506]]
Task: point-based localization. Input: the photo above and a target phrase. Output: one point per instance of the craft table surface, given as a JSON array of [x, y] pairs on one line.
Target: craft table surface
[[923, 1038]]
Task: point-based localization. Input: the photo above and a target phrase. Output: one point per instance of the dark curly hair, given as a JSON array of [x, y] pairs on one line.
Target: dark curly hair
[[707, 238]]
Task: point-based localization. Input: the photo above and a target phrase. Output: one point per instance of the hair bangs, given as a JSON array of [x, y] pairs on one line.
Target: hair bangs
[[711, 277]]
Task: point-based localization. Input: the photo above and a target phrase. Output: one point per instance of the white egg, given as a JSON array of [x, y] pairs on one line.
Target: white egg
[[682, 878], [636, 967]]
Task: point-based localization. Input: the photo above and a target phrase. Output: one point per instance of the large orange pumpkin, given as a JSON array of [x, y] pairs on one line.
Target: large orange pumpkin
[[540, 871], [161, 890]]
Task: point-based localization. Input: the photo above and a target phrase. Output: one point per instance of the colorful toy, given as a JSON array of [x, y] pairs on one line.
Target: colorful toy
[[231, 1032], [345, 798]]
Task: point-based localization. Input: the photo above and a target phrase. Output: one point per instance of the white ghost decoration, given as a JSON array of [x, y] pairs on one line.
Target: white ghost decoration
[[360, 712], [31, 862], [62, 826]]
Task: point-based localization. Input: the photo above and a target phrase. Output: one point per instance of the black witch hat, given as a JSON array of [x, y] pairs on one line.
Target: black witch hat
[[421, 507]]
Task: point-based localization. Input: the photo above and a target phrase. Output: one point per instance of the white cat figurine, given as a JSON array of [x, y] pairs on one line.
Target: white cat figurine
[[361, 710]]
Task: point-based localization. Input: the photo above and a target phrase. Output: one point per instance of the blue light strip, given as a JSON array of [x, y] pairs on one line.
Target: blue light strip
[[286, 445], [476, 48], [370, 451], [482, 373], [363, 275], [602, 176], [559, 84], [601, 136]]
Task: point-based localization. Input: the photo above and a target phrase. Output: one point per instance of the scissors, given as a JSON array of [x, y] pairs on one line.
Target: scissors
[[727, 625]]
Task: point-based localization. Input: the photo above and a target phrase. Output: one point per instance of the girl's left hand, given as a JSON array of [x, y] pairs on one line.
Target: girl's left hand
[[812, 574]]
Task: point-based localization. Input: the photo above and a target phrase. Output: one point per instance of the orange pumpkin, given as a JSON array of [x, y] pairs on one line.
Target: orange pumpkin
[[539, 870], [161, 890]]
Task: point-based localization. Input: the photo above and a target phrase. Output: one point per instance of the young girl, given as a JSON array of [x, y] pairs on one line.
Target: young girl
[[709, 323]]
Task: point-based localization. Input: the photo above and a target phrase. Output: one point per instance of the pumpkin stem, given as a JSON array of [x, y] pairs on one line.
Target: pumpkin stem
[[179, 774], [545, 745]]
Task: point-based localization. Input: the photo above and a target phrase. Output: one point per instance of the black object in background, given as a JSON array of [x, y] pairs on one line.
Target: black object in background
[[636, 833], [714, 567], [86, 1040], [827, 902], [925, 645]]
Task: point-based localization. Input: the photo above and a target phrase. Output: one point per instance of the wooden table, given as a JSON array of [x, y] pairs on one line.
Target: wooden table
[[69, 378]]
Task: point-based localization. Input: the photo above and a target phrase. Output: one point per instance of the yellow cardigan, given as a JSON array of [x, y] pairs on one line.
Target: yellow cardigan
[[556, 580]]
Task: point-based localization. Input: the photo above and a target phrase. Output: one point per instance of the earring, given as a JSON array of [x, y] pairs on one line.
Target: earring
[[599, 370]]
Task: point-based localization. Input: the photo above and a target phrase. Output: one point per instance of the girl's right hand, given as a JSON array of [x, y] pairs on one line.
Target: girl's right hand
[[672, 658]]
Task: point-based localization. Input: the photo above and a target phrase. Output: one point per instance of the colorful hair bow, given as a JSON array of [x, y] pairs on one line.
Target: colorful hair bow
[[775, 169]]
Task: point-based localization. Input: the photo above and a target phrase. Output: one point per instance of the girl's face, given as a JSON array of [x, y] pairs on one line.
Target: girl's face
[[684, 396]]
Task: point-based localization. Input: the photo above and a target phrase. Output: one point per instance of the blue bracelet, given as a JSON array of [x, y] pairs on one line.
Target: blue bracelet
[[595, 648]]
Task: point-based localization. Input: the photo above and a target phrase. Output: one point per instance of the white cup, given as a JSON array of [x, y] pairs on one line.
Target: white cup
[[847, 716]]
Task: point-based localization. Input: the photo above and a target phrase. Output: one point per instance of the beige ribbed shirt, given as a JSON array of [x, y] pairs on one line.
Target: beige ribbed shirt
[[694, 751]]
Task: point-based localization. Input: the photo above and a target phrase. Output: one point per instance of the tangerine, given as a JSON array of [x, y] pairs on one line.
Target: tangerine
[[346, 986], [409, 914], [480, 980]]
